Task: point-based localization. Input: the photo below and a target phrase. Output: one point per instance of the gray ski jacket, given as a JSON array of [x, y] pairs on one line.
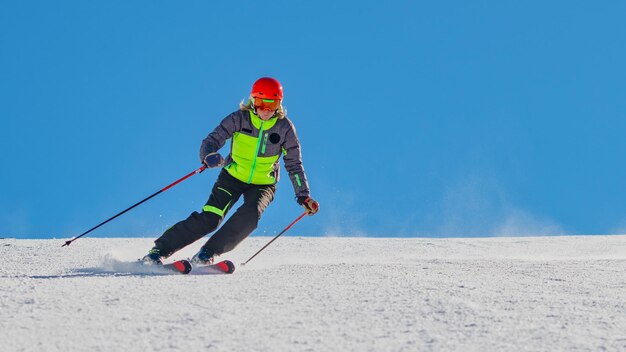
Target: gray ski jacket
[[255, 149]]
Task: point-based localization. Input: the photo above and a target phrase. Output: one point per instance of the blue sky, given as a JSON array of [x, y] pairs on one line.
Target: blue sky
[[415, 118]]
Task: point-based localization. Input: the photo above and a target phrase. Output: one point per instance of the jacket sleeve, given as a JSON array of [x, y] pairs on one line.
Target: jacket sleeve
[[216, 139], [293, 163]]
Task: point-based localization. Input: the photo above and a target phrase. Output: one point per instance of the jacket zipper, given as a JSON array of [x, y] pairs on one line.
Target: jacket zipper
[[258, 145], [264, 144]]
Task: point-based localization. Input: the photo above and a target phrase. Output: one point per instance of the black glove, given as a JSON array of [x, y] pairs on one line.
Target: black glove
[[309, 204], [213, 160]]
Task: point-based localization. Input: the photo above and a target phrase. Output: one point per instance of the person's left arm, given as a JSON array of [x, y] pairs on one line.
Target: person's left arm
[[293, 164]]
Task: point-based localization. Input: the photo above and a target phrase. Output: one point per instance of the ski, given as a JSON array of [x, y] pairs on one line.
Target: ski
[[181, 266], [223, 267], [184, 266]]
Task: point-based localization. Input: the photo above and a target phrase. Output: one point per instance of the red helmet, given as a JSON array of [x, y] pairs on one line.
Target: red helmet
[[267, 88]]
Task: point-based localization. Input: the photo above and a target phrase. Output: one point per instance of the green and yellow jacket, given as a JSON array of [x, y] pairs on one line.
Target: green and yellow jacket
[[255, 148]]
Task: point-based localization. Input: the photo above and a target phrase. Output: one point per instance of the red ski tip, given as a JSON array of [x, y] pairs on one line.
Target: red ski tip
[[226, 266], [183, 266]]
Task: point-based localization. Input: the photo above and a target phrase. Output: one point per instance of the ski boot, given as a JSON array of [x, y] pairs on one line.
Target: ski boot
[[203, 257], [153, 257]]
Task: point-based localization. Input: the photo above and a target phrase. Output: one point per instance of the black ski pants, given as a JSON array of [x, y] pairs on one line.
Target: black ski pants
[[226, 191]]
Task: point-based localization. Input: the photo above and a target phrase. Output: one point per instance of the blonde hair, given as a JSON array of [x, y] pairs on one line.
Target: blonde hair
[[281, 113]]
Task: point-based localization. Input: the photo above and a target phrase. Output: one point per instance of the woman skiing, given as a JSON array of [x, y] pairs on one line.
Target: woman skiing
[[260, 132]]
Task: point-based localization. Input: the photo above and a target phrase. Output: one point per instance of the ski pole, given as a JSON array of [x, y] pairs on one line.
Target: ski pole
[[202, 168], [273, 239]]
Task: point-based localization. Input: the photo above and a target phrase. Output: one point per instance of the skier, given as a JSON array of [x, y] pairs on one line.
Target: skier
[[260, 132]]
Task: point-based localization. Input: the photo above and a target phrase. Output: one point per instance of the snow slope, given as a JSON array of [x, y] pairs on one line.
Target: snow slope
[[319, 294]]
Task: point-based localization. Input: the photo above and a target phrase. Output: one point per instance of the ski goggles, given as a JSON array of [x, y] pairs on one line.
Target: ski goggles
[[266, 104]]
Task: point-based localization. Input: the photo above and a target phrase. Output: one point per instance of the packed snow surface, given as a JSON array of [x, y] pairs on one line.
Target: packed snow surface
[[320, 294]]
